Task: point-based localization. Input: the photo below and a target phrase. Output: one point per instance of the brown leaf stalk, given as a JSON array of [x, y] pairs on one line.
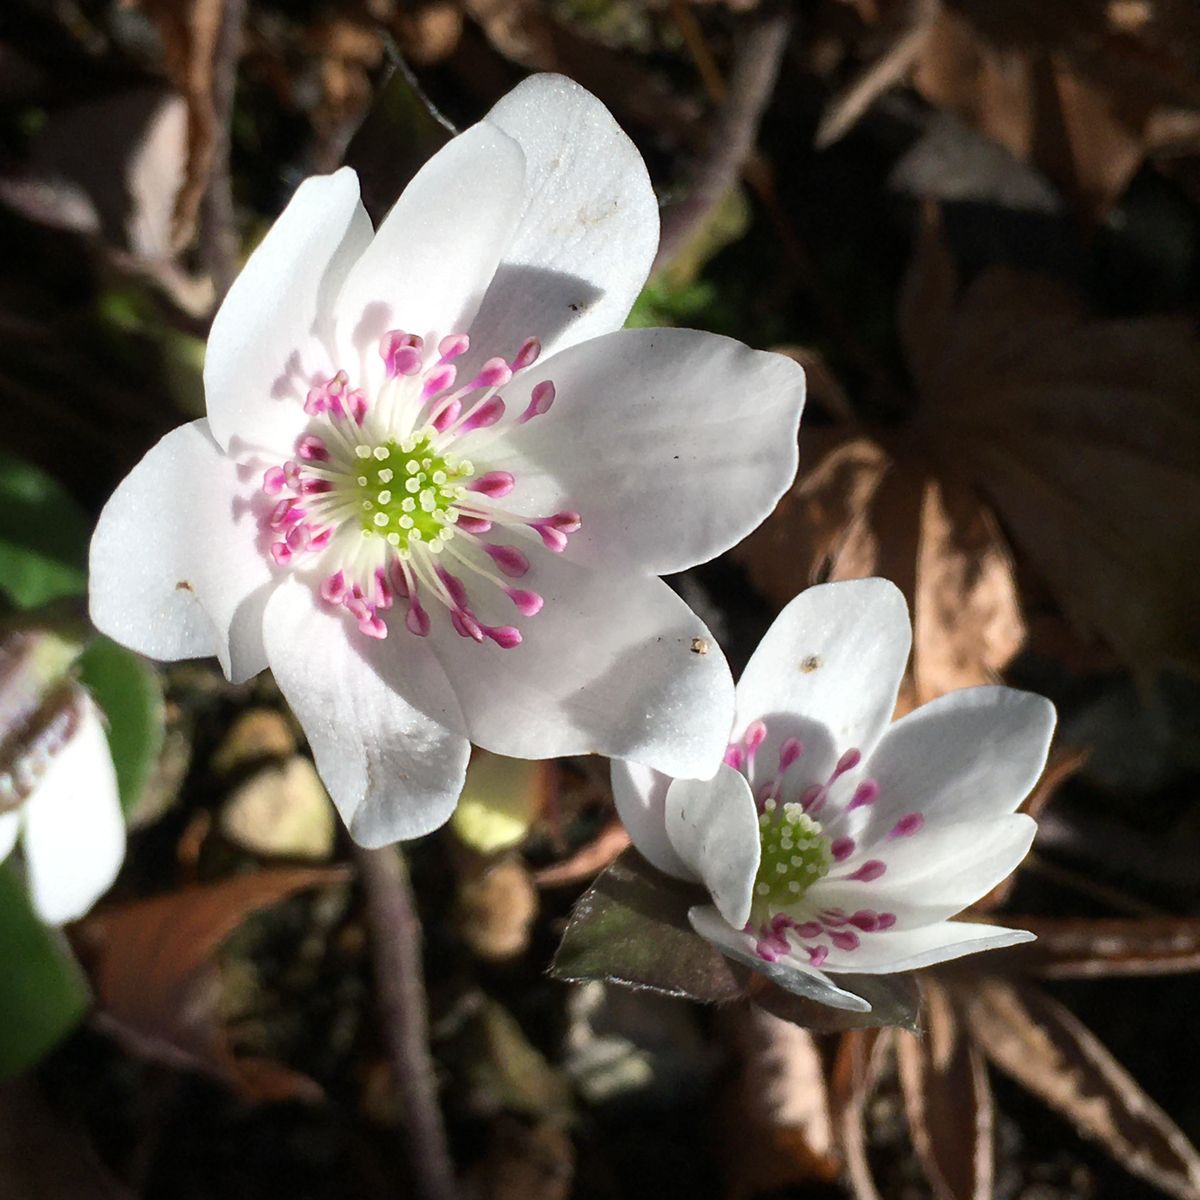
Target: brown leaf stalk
[[400, 991], [757, 59], [218, 232]]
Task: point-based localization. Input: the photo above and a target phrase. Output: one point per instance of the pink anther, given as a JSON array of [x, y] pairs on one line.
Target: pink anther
[[495, 484], [509, 559]]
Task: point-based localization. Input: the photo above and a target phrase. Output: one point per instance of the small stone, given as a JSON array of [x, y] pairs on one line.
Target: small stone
[[496, 910], [282, 812], [258, 734]]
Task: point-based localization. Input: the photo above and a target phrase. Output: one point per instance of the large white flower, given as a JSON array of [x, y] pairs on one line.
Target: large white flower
[[828, 841], [437, 482], [59, 796]]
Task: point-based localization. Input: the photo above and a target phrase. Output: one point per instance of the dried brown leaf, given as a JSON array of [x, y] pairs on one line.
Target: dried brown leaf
[[189, 30], [1039, 107], [152, 966], [1113, 947], [856, 1069], [967, 621], [860, 510], [1049, 1051], [1082, 434], [780, 1106], [806, 536], [949, 1103]]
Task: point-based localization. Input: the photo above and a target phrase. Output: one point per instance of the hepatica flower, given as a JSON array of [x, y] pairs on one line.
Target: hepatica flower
[[829, 841], [58, 794], [437, 483]]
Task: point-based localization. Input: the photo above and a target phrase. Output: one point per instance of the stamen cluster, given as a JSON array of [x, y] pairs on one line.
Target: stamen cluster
[[381, 504], [797, 851]]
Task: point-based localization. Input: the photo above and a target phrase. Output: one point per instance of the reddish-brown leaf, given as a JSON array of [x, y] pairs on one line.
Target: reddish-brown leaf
[[152, 965], [1049, 1051], [949, 1103]]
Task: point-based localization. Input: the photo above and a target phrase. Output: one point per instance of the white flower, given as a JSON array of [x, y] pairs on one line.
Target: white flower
[[828, 841], [435, 488], [59, 796]]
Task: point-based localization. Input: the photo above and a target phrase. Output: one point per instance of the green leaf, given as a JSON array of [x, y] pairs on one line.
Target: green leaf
[[43, 995], [630, 927], [128, 691], [43, 536], [399, 134]]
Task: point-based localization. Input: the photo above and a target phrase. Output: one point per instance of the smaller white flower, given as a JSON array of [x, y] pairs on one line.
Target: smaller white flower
[[828, 841], [59, 796]]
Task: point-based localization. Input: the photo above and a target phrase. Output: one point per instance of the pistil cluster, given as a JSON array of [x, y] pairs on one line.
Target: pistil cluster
[[381, 505]]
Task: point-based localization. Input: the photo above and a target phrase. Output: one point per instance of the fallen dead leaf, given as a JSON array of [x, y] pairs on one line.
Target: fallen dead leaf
[[1040, 428], [1049, 1051], [1081, 433], [152, 966], [1085, 90], [948, 1102], [863, 509], [779, 1104], [189, 30]]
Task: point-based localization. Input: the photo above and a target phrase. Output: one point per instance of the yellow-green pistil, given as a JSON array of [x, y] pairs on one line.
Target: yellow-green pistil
[[407, 491], [795, 854]]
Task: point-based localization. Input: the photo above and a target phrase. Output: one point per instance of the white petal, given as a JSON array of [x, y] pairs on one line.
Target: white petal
[[713, 825], [74, 839], [672, 444], [265, 341], [429, 265], [789, 973], [607, 667], [391, 762], [640, 795], [971, 753], [175, 569], [907, 950], [933, 874], [828, 670], [588, 231], [10, 827]]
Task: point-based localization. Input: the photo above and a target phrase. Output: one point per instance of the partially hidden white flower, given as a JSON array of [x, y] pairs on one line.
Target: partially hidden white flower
[[829, 841], [60, 800], [438, 483]]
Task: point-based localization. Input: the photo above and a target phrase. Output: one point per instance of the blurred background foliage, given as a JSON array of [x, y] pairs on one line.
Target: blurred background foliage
[[978, 227]]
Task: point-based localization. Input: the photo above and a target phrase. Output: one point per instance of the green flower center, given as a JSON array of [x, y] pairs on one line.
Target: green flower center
[[407, 491], [795, 855]]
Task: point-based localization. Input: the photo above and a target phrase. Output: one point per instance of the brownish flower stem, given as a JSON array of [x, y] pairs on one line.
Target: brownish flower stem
[[395, 933], [757, 59]]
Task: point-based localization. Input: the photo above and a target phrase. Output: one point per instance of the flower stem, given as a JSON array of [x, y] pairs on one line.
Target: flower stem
[[400, 991]]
